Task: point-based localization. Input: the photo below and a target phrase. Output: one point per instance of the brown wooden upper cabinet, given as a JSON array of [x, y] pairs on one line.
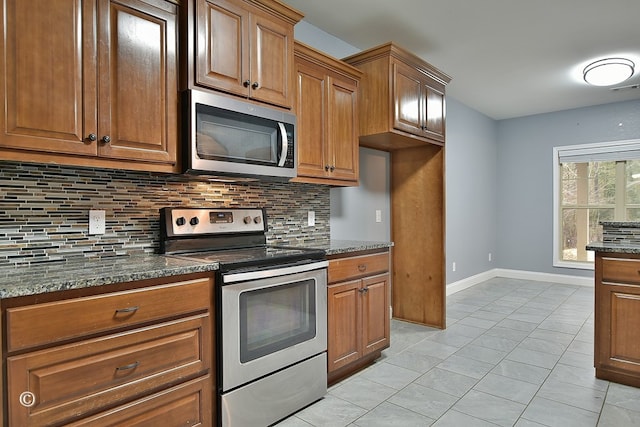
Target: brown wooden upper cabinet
[[402, 99], [242, 47], [327, 114], [90, 83]]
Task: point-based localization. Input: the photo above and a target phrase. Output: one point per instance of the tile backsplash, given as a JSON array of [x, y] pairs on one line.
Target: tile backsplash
[[44, 210]]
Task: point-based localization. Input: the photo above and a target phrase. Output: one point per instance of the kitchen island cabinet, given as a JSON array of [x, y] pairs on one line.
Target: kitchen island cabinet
[[78, 88], [617, 317], [112, 354], [241, 47], [327, 113], [358, 311]]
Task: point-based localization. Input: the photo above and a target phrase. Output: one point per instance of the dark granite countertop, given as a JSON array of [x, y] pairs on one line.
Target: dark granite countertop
[[76, 274], [87, 272], [614, 248], [337, 247]]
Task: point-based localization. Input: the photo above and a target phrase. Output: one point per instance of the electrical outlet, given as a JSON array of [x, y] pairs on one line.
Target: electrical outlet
[[97, 219], [311, 218], [378, 215]]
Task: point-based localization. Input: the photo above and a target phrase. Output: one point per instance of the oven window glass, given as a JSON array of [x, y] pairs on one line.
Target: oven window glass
[[276, 318], [235, 137]]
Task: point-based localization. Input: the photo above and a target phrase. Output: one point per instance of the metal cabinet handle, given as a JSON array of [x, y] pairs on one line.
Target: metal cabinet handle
[[326, 167], [92, 137], [255, 85], [128, 367], [106, 139], [131, 309], [362, 267], [246, 83], [332, 168], [363, 290]]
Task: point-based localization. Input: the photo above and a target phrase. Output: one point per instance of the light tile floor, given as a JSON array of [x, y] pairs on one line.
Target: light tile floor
[[515, 353]]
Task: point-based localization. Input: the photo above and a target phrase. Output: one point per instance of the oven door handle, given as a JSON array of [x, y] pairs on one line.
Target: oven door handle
[[272, 271]]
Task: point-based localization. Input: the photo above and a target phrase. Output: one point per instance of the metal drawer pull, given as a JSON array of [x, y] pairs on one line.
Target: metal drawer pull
[[128, 367], [128, 309], [363, 290], [362, 267]]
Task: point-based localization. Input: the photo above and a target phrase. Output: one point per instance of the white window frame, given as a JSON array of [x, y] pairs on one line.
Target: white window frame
[[611, 151]]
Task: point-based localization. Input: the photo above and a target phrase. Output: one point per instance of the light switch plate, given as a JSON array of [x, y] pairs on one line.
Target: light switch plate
[[311, 218], [97, 219]]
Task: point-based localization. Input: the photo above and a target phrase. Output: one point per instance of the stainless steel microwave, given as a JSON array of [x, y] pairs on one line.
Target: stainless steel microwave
[[226, 136]]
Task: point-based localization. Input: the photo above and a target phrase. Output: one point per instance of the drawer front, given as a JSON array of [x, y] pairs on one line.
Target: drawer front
[[103, 372], [621, 270], [48, 323], [359, 266], [188, 404]]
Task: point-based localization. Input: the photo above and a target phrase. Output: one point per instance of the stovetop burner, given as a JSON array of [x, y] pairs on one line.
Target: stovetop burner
[[233, 237]]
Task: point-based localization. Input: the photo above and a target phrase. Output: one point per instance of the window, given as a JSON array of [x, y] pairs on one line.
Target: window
[[592, 183]]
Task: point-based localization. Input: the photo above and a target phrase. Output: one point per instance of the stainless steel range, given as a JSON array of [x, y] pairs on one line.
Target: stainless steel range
[[271, 312]]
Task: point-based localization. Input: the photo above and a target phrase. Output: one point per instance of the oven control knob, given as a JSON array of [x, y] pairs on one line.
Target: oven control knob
[[181, 221], [247, 220], [194, 220], [257, 219]]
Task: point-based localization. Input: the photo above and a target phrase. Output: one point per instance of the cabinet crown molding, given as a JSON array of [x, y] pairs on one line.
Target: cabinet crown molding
[[311, 54], [391, 49], [281, 10]]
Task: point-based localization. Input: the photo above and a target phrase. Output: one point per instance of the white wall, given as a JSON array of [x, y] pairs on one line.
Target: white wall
[[353, 209], [525, 183], [471, 191]]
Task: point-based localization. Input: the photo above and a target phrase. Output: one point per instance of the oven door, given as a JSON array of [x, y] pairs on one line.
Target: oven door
[[271, 319]]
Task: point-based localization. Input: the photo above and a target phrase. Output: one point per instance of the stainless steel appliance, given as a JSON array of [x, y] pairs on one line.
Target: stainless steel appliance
[[225, 136], [271, 312]]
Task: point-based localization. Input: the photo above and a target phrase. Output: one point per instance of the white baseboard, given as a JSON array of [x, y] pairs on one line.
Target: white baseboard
[[468, 282], [518, 274]]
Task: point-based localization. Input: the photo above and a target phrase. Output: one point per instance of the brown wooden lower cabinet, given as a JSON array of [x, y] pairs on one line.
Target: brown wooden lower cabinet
[[358, 317], [617, 318], [139, 366]]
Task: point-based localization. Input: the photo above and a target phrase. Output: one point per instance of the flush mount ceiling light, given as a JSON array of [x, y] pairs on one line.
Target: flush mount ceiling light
[[607, 72]]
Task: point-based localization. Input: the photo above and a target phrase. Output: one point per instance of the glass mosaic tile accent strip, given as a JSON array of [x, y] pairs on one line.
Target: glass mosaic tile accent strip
[[44, 210], [621, 233]]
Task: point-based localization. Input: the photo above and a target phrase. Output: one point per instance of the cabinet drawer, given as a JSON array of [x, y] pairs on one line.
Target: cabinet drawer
[[87, 376], [188, 404], [621, 270], [366, 265], [49, 323]]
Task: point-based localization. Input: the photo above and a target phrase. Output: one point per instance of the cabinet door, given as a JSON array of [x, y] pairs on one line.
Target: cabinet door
[[344, 324], [48, 76], [435, 110], [138, 85], [271, 60], [375, 313], [222, 53], [342, 121], [408, 99], [310, 106], [617, 307]]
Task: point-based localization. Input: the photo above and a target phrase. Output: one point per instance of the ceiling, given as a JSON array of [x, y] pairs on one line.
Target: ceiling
[[507, 58]]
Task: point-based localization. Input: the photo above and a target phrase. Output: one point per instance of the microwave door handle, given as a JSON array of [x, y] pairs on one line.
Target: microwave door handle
[[285, 145]]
